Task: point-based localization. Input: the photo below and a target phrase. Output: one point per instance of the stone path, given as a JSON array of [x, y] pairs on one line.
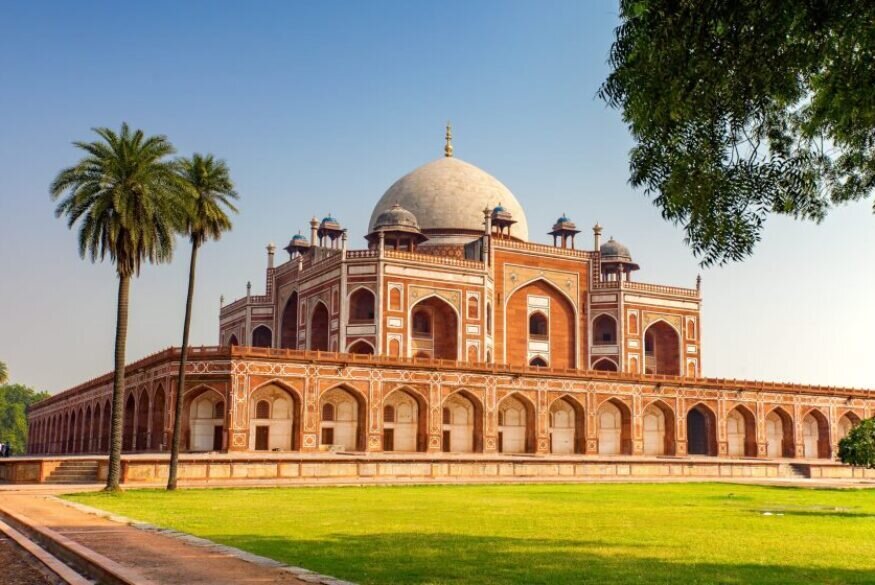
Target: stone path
[[147, 556]]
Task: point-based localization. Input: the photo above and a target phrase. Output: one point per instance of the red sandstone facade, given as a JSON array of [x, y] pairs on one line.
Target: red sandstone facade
[[453, 333]]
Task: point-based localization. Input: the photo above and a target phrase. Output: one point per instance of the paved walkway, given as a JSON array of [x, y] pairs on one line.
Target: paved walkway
[[149, 557]]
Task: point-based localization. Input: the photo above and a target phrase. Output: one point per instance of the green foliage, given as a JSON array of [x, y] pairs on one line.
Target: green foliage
[[126, 197], [745, 108], [14, 400], [858, 447], [534, 534], [4, 373], [209, 183]]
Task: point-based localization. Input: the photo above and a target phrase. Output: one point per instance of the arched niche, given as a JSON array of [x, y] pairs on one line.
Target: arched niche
[[275, 419], [516, 425], [362, 304], [404, 421], [289, 323], [658, 421], [615, 428], [319, 323], [344, 416], [741, 432], [262, 336], [567, 426], [779, 434], [701, 431], [435, 329], [462, 423], [662, 350]]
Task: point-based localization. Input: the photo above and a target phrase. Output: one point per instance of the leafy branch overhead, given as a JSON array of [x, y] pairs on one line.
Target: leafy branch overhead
[[747, 108]]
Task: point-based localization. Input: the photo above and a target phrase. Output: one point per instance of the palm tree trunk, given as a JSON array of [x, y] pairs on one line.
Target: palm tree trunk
[[118, 385], [180, 381]]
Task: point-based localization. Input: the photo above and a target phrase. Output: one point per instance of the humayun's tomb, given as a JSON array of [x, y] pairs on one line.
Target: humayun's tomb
[[453, 346]]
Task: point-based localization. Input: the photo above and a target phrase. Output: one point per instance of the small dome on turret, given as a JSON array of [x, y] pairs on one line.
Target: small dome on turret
[[614, 251], [396, 218]]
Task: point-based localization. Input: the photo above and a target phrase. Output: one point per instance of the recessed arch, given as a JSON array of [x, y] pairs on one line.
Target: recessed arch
[[539, 325], [701, 430], [614, 428], [815, 435], [462, 423], [435, 330], [157, 438], [567, 426], [561, 314], [105, 425], [289, 323], [232, 341], [516, 424], [741, 432], [407, 431], [362, 305], [347, 429], [142, 437], [538, 362], [275, 417], [604, 330], [361, 346], [204, 430], [605, 365], [846, 422], [662, 349], [319, 323], [780, 440], [658, 421], [129, 429], [262, 336]]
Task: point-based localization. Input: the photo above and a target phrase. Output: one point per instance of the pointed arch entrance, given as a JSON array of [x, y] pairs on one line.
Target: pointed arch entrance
[[343, 421], [404, 421], [815, 435], [567, 426], [847, 422], [435, 331], [741, 432], [206, 416], [615, 428], [157, 423], [516, 425], [662, 350], [275, 419], [659, 429], [701, 431], [779, 433], [462, 423]]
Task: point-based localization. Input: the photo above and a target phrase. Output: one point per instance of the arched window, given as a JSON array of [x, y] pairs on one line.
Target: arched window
[[633, 323], [219, 410], [262, 409], [361, 306], [389, 413], [538, 362], [538, 326], [604, 330], [327, 412], [691, 329], [232, 341], [421, 323]]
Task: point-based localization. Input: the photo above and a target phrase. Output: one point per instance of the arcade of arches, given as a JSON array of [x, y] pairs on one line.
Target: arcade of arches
[[282, 415]]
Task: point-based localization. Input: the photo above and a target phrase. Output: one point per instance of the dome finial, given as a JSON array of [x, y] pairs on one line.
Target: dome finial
[[448, 148]]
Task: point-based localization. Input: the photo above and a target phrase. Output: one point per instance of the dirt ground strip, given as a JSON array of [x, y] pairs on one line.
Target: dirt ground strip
[[19, 568], [150, 555]]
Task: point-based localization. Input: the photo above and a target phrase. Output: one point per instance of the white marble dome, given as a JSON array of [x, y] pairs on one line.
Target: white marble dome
[[449, 194]]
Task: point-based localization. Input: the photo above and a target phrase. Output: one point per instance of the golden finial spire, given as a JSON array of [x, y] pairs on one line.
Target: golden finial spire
[[448, 149]]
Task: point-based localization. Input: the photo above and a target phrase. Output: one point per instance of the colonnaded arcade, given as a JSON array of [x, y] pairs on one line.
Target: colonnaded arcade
[[452, 332]]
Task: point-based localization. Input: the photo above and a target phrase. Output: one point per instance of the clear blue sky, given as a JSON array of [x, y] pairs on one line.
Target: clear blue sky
[[319, 107]]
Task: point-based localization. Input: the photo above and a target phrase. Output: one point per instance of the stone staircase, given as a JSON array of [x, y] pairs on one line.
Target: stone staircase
[[74, 472]]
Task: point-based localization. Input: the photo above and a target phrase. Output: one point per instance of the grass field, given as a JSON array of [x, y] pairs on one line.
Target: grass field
[[551, 534]]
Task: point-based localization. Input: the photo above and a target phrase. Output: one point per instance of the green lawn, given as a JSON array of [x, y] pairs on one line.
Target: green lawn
[[585, 533]]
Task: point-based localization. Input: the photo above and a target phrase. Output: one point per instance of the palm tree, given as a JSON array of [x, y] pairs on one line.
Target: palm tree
[[126, 197], [4, 373], [209, 182]]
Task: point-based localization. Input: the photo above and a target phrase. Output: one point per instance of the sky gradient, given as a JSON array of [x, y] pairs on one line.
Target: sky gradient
[[320, 107]]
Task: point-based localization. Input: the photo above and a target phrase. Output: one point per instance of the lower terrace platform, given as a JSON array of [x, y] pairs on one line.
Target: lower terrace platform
[[206, 469]]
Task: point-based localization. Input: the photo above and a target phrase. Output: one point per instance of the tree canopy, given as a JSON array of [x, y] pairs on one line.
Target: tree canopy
[[14, 400], [746, 108], [858, 448]]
